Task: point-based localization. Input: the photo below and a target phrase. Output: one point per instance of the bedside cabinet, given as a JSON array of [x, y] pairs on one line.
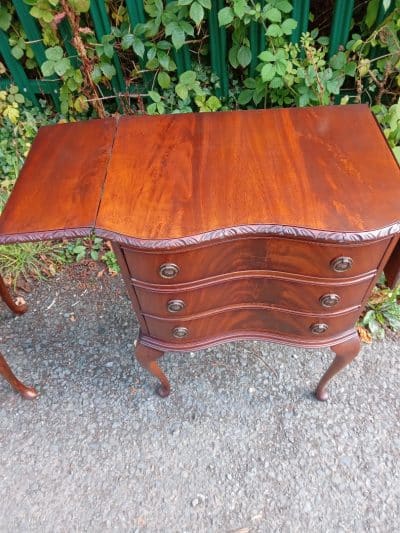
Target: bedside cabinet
[[269, 225]]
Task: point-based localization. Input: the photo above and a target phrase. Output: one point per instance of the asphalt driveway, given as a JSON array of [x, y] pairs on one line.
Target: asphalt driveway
[[240, 445]]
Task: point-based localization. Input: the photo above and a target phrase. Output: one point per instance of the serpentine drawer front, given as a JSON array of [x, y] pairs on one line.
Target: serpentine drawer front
[[270, 225]]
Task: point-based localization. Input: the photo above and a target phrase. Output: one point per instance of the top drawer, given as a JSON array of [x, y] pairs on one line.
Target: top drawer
[[322, 260]]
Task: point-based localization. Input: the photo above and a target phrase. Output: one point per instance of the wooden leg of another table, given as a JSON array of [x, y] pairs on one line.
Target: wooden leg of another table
[[27, 392], [147, 358], [6, 296], [345, 353]]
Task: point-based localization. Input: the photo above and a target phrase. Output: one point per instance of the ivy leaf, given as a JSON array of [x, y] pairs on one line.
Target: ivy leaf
[[47, 68], [205, 3], [138, 47], [164, 80], [274, 30], [213, 103], [80, 6], [196, 13], [55, 53], [266, 56], [244, 56], [96, 74], [81, 105], [62, 66], [288, 26], [268, 72], [5, 18], [338, 61], [127, 41], [225, 16], [284, 6], [273, 14], [151, 109], [108, 70], [188, 77], [182, 91], [17, 52], [154, 96], [372, 13], [232, 56], [245, 96], [250, 83], [108, 50], [178, 38]]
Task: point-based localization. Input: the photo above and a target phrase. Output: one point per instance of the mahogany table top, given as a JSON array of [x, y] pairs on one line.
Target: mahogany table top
[[324, 172]]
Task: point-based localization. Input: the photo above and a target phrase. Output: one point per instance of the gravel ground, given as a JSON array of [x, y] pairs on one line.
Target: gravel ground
[[240, 445]]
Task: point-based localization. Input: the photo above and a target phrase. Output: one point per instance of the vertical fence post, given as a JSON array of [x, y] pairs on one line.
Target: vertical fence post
[[341, 23], [301, 12], [223, 54], [33, 33]]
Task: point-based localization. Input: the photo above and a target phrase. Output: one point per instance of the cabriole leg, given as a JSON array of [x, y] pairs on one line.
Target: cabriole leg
[[345, 353], [147, 358], [6, 296], [27, 392]]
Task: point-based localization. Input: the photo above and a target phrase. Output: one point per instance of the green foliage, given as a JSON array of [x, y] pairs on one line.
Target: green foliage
[[155, 56], [111, 262], [389, 118], [383, 311]]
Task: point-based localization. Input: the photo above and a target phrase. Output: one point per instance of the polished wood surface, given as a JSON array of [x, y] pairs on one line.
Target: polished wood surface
[[244, 318], [317, 168], [264, 254], [58, 191], [345, 353], [254, 288], [294, 172]]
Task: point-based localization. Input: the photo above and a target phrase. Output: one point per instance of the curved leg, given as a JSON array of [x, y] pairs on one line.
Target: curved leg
[[27, 392], [345, 353], [5, 295], [147, 358]]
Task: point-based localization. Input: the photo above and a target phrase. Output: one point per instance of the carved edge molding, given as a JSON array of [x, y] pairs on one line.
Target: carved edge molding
[[261, 230], [255, 230], [68, 233], [163, 346]]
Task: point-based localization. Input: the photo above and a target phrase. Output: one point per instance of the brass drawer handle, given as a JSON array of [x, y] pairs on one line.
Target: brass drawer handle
[[168, 270], [329, 300], [341, 264], [180, 332], [318, 328], [174, 306]]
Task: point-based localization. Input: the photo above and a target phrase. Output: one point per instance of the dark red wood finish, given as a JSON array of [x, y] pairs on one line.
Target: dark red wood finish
[[251, 288], [247, 217], [264, 254]]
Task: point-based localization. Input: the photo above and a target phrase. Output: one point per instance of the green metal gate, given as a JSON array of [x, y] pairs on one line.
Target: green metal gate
[[339, 33]]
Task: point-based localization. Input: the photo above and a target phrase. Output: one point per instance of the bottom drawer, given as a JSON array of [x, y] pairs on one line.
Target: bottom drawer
[[246, 321]]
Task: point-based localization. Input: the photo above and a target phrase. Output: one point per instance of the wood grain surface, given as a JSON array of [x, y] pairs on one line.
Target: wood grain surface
[[253, 289], [58, 191], [323, 173], [265, 254], [324, 168], [243, 319]]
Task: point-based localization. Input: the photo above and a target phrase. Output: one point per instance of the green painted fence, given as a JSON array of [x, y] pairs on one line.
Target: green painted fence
[[339, 33]]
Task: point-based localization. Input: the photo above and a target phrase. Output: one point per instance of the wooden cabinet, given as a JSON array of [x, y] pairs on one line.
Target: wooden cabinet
[[262, 224]]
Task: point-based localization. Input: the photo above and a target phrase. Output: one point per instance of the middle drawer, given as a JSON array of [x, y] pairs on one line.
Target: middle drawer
[[283, 292]]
